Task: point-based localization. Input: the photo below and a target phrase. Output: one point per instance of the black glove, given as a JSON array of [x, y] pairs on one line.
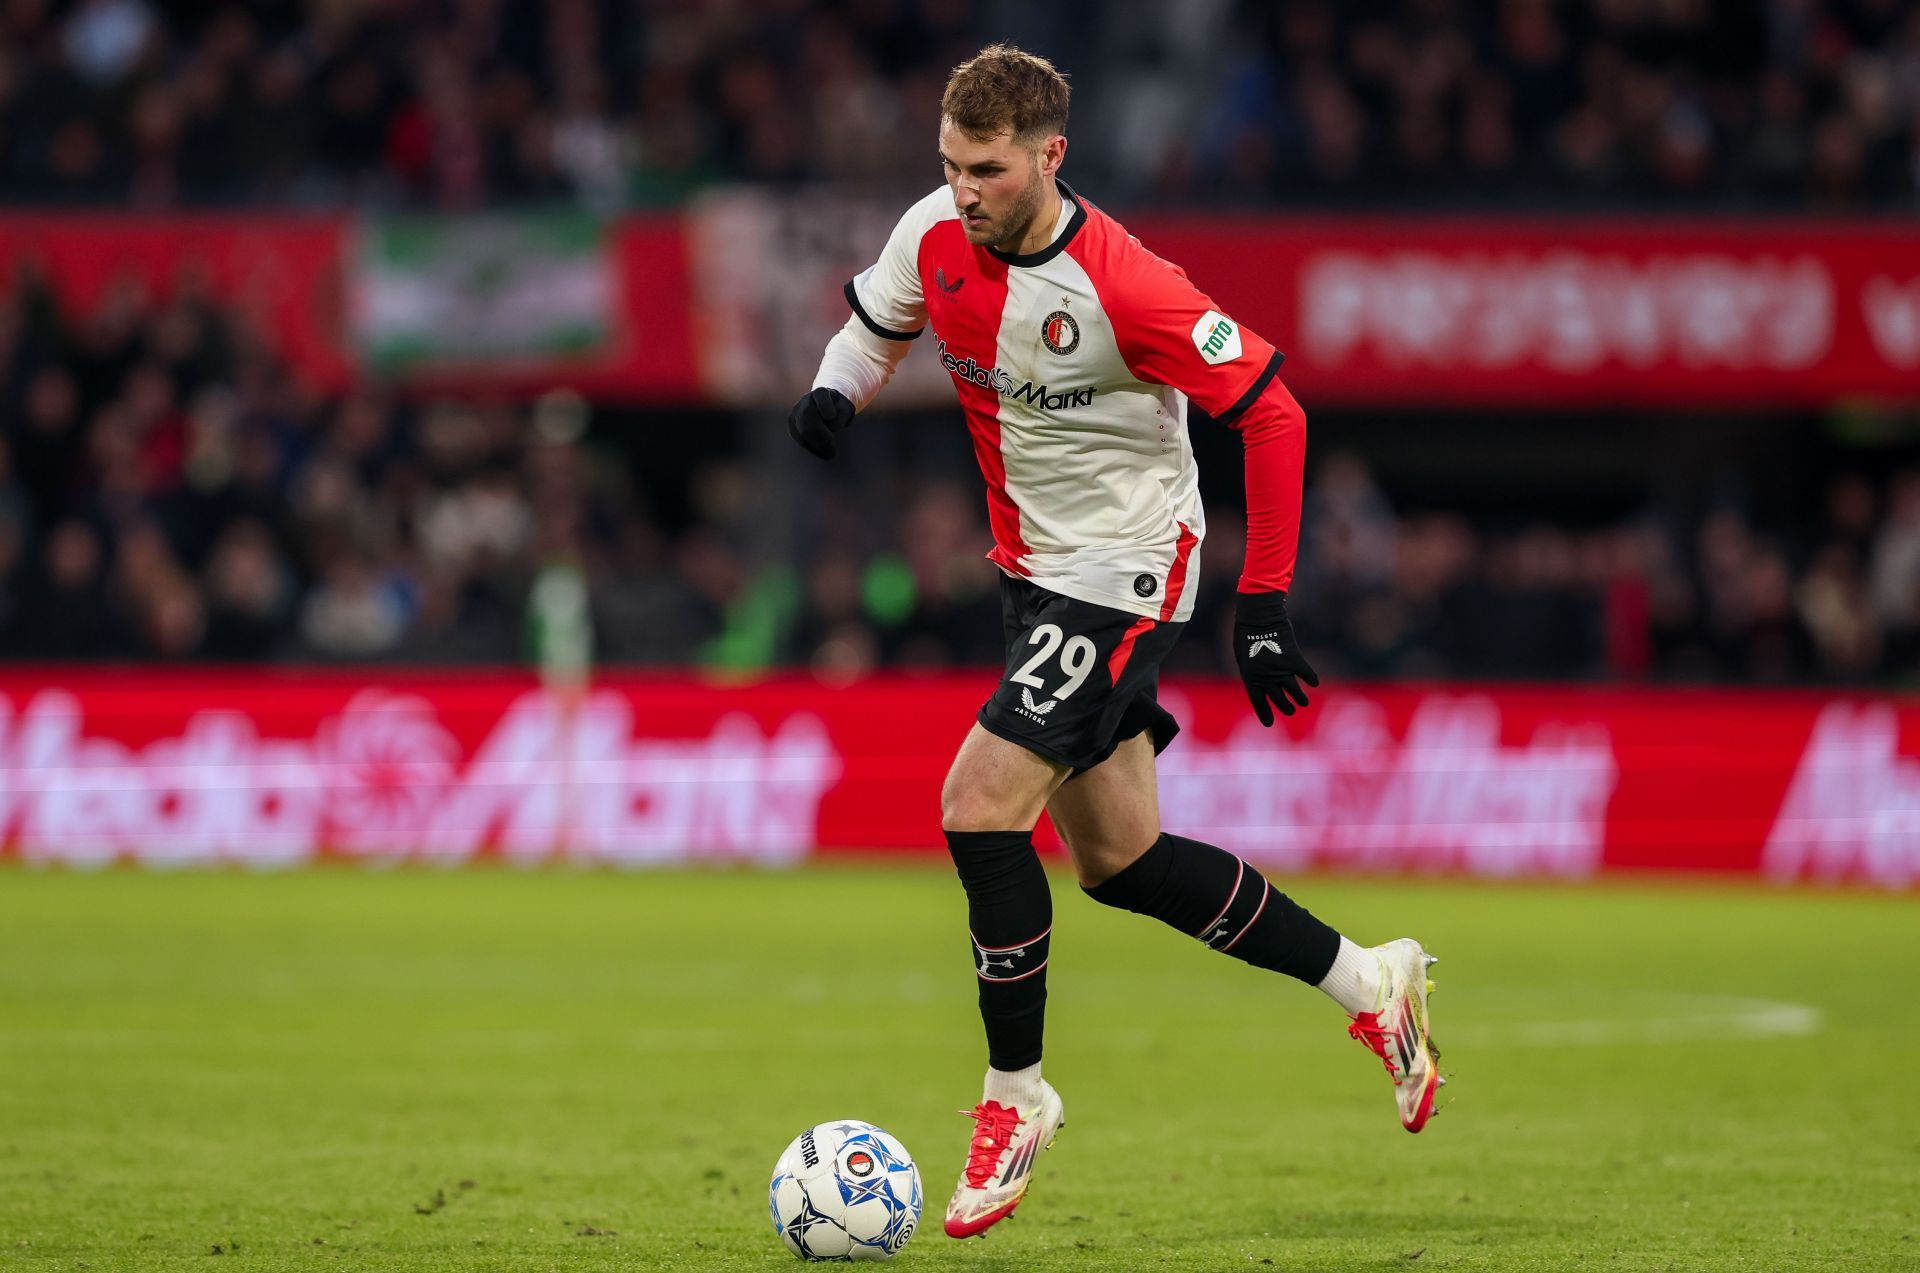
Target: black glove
[[1269, 657], [817, 417]]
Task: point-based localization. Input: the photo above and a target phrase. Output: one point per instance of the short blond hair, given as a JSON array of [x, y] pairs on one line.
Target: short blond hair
[[1003, 89]]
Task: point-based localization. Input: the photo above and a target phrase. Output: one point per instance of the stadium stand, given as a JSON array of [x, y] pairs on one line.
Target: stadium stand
[[169, 490], [459, 105]]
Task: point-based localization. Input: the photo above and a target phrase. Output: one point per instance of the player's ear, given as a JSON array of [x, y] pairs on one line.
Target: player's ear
[[1053, 154]]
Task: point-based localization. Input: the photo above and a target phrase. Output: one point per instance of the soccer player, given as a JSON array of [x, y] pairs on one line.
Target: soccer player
[[1075, 352]]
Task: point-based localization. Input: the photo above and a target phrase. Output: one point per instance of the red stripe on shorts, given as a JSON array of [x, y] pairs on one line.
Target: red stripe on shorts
[[1117, 661]]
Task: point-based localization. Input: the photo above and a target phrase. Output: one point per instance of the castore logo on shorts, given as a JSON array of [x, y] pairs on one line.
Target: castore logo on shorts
[[999, 381]]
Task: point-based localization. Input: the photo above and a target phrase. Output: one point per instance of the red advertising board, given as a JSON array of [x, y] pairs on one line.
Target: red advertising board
[[731, 301], [268, 768], [290, 276], [1594, 311], [283, 273]]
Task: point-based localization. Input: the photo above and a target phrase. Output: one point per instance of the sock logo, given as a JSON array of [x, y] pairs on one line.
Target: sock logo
[[1244, 905], [987, 965], [1010, 963]]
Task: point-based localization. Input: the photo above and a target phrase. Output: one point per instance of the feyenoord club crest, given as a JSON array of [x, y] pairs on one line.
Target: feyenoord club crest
[[1060, 333]]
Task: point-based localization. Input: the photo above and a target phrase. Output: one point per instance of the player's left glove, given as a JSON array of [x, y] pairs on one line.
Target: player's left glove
[[1269, 657]]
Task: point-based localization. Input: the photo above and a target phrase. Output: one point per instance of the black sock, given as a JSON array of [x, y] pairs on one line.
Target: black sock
[[1010, 913], [1210, 894]]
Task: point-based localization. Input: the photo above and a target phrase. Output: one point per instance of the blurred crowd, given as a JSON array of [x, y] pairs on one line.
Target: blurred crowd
[[623, 103], [168, 491], [1764, 102], [1706, 597], [1709, 596]]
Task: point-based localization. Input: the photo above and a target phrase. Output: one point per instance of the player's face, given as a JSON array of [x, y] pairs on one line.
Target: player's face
[[997, 184]]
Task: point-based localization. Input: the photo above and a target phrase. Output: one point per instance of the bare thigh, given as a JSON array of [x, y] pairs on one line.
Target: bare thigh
[[1110, 814], [995, 785]]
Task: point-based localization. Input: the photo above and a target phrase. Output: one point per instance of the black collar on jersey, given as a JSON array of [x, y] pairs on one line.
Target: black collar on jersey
[[1026, 260]]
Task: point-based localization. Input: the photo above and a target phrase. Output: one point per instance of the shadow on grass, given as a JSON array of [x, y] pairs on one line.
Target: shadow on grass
[[1259, 1257], [1324, 1241], [1464, 1220]]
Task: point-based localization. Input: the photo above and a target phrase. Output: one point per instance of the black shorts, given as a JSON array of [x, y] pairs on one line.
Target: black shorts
[[1080, 678]]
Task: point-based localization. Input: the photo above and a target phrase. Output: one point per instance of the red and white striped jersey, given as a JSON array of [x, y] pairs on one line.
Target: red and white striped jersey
[[1074, 365]]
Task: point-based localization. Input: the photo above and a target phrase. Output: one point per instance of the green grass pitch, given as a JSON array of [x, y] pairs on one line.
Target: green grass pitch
[[516, 1071]]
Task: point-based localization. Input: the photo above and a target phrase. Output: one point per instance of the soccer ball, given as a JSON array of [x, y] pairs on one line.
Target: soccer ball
[[845, 1191]]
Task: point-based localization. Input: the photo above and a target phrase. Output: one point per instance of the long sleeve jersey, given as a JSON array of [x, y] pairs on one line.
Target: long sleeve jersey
[[1074, 366]]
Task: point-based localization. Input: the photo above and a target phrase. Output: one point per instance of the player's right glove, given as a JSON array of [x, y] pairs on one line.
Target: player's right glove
[[817, 417], [1271, 665]]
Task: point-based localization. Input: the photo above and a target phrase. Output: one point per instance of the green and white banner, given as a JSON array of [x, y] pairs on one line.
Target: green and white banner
[[504, 290]]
